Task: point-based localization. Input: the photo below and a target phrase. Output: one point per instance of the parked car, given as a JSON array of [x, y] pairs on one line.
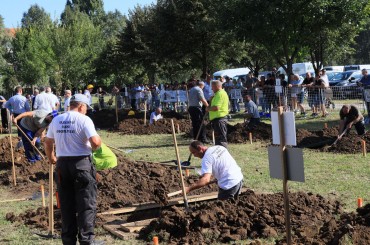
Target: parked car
[[331, 74], [344, 84]]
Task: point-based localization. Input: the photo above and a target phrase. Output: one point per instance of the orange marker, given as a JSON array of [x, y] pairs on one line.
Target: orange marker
[[187, 172], [359, 202], [155, 240]]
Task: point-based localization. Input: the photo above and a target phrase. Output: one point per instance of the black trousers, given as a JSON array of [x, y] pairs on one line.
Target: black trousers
[[77, 189], [359, 126], [219, 125], [253, 122], [4, 118], [133, 104], [196, 115]]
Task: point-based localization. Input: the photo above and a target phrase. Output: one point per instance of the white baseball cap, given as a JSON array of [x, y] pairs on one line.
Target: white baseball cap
[[81, 98]]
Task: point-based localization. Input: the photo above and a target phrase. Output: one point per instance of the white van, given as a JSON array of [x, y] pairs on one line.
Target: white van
[[356, 67], [299, 68], [230, 73], [334, 68]]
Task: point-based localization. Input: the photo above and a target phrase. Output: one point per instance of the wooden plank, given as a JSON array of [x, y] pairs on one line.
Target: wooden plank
[[113, 229], [139, 223], [15, 200], [175, 193], [191, 199], [131, 229], [175, 201]]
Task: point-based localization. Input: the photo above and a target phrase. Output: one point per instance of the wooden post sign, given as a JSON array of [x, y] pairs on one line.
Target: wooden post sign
[[281, 158]]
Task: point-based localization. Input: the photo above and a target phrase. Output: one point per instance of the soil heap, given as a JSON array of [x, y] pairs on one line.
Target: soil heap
[[137, 127], [238, 134], [138, 182], [106, 118], [261, 216], [26, 173]]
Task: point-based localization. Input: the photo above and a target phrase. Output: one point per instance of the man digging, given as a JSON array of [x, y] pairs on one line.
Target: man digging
[[217, 162], [350, 116]]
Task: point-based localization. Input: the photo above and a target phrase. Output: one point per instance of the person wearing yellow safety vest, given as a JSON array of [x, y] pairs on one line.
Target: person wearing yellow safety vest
[[218, 111]]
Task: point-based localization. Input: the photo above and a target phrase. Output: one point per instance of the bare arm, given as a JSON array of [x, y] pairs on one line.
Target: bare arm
[[95, 142], [49, 150], [24, 114], [205, 103], [205, 180]]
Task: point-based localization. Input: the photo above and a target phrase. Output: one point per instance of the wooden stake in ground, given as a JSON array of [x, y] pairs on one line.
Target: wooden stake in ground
[[51, 185], [179, 165], [213, 137], [144, 113], [285, 175], [363, 144], [325, 125], [43, 196], [250, 137], [11, 149], [51, 200], [178, 128]]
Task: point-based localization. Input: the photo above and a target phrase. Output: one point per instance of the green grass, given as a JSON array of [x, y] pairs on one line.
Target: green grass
[[343, 177]]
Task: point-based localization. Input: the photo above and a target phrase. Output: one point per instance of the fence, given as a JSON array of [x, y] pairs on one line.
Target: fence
[[266, 98]]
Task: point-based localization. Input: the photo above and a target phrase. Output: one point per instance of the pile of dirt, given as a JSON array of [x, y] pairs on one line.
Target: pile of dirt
[[163, 126], [36, 218], [27, 174], [106, 118], [138, 182], [259, 216], [239, 134], [323, 139]]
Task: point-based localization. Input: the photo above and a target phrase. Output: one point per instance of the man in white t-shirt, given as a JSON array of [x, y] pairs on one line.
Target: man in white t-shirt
[[324, 77], [217, 162], [88, 91], [67, 98], [54, 99], [156, 115], [43, 101], [75, 138]]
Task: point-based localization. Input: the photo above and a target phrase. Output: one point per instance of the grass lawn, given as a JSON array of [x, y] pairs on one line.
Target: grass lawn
[[342, 177]]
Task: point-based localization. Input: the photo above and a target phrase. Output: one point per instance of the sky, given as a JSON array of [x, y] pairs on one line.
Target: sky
[[12, 10]]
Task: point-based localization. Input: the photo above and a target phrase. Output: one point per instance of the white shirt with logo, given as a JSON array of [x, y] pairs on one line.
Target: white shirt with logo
[[218, 162], [71, 132], [44, 101]]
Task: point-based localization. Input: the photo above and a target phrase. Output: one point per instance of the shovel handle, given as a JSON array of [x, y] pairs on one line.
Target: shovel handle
[[174, 193]]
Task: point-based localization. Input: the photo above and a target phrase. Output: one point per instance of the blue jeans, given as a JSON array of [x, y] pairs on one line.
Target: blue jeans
[[30, 153]]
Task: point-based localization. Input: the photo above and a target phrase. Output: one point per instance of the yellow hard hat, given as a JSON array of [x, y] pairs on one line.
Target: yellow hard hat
[[90, 86], [131, 113]]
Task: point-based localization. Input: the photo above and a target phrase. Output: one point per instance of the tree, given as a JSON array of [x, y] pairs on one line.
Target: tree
[[76, 47], [93, 8], [35, 17], [282, 25]]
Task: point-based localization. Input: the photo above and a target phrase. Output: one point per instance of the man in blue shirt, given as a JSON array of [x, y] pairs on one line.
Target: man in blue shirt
[[365, 82], [18, 104]]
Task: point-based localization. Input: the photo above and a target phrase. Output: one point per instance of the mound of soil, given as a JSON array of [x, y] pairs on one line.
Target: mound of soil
[[136, 126], [259, 216], [238, 134], [36, 218], [27, 174], [323, 139], [107, 118], [138, 182]]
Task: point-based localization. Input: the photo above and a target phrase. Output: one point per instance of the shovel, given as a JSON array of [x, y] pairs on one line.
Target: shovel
[[187, 163], [340, 136]]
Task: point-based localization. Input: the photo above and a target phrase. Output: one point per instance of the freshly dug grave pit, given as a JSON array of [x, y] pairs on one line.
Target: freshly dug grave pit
[[138, 182], [129, 183], [163, 126], [257, 216], [106, 118], [238, 134]]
